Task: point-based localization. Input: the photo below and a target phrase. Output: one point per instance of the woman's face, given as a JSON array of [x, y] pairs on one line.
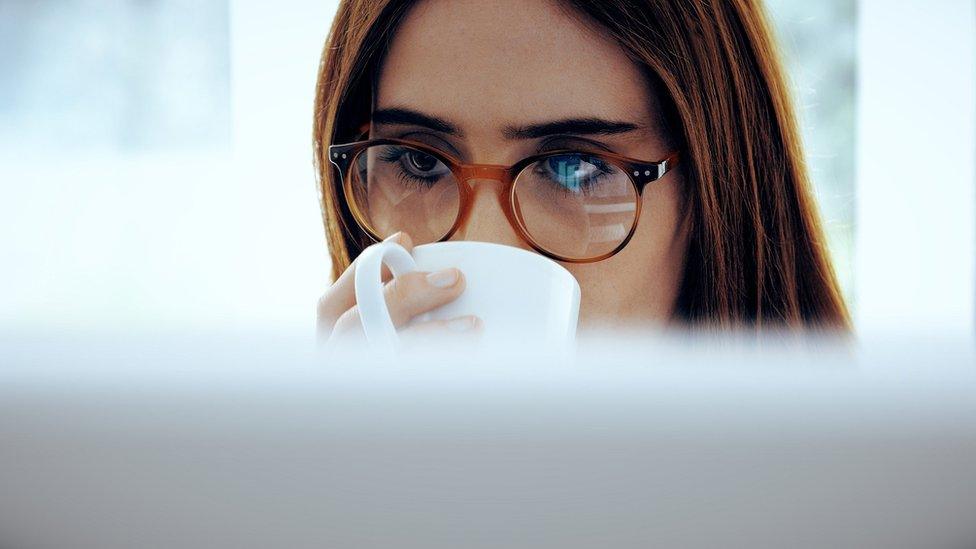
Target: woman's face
[[484, 66]]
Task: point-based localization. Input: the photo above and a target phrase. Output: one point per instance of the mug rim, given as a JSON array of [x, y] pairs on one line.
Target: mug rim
[[498, 247]]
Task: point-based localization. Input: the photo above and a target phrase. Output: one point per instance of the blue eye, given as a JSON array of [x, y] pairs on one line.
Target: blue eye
[[573, 172]]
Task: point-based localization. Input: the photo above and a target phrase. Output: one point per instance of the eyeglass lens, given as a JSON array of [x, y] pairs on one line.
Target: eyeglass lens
[[574, 205]]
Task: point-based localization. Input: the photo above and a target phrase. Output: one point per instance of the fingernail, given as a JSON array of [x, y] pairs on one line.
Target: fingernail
[[394, 236], [443, 279], [461, 323]]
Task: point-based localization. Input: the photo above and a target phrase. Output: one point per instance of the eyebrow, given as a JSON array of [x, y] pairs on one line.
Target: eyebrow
[[574, 126]]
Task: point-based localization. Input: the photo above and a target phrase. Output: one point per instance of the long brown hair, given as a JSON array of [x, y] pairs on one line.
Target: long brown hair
[[757, 255]]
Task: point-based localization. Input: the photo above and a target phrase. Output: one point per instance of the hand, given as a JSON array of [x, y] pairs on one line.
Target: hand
[[406, 296]]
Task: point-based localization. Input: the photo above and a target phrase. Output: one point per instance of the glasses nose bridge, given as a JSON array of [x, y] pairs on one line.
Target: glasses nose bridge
[[495, 172], [478, 198]]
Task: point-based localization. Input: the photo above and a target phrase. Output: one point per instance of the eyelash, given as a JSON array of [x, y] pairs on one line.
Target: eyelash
[[395, 154]]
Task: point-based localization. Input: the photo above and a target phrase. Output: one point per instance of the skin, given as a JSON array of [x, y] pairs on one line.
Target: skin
[[484, 66]]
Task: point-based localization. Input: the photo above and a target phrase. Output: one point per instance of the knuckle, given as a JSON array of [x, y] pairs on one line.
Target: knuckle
[[323, 305], [406, 289], [406, 241], [346, 323], [327, 301]]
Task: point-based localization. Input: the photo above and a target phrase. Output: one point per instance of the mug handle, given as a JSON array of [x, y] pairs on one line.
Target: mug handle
[[373, 313]]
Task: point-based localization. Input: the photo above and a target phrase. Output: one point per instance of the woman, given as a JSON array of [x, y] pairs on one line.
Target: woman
[[720, 230]]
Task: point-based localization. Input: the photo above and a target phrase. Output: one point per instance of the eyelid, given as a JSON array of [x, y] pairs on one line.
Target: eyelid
[[445, 145], [589, 143], [575, 143]]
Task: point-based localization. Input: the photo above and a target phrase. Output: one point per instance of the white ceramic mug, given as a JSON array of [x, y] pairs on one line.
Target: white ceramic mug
[[518, 295]]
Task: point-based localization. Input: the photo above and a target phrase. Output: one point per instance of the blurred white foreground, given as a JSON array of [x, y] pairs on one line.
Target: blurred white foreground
[[258, 442]]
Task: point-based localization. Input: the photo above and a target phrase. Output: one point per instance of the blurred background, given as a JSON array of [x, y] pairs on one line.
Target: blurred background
[[156, 166]]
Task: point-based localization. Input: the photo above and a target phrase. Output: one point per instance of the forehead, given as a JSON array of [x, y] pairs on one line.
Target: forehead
[[485, 65]]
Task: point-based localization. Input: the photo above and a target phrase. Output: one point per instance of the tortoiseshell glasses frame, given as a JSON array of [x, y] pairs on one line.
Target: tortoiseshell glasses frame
[[640, 173]]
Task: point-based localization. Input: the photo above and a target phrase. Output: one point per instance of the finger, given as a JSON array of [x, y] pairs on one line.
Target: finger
[[418, 292], [347, 333], [348, 327], [407, 296], [341, 296]]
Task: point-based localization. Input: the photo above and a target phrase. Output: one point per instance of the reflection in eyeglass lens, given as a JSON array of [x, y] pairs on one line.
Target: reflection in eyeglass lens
[[403, 189], [576, 205], [572, 204]]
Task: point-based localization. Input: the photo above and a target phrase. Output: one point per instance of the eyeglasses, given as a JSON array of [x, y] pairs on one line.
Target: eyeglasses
[[568, 205]]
